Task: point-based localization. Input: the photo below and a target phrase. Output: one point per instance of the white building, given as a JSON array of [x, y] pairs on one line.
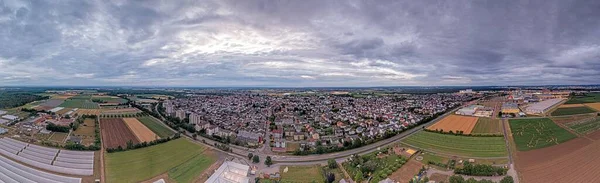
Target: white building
[[230, 172], [195, 118], [10, 117], [180, 114], [2, 112], [543, 106]]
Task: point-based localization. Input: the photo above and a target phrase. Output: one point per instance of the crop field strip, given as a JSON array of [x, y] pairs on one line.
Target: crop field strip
[[171, 157], [588, 98], [595, 106], [572, 111], [142, 132], [116, 133], [537, 133], [79, 103], [156, 127], [455, 123], [302, 174], [487, 126], [585, 126], [460, 145]]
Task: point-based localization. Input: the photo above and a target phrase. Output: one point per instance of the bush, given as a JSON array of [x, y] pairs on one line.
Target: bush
[[480, 170], [57, 128]]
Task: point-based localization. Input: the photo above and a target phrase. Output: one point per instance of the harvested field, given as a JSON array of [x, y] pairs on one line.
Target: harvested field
[[142, 132], [407, 171], [96, 112], [458, 145], [537, 133], [595, 106], [156, 126], [487, 126], [58, 137], [63, 111], [115, 133], [574, 161], [570, 105], [455, 123], [572, 111], [439, 177]]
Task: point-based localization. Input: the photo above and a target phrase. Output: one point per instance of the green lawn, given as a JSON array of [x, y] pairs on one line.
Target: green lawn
[[143, 164], [585, 126], [587, 98], [572, 110], [156, 127], [302, 174], [458, 145], [537, 133], [79, 103], [189, 170], [487, 126]]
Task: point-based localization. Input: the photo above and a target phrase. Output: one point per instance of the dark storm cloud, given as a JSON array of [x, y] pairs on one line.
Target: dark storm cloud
[[299, 43]]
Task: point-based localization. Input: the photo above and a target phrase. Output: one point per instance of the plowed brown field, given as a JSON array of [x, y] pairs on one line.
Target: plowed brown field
[[455, 123], [142, 132], [573, 161], [115, 133], [407, 171]]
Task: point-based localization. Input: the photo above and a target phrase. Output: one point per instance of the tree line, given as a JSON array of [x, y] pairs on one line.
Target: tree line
[[131, 146], [16, 99], [480, 170]]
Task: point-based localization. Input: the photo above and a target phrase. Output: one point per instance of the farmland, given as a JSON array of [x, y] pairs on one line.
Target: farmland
[[115, 133], [458, 145], [174, 157], [585, 126], [156, 127], [537, 133], [58, 137], [487, 126], [455, 124], [79, 103], [571, 111], [302, 174], [142, 132], [108, 99], [407, 172], [572, 161], [587, 98], [86, 131], [595, 106], [96, 112]]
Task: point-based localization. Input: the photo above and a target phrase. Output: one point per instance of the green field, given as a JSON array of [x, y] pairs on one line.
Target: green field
[[458, 145], [537, 133], [108, 99], [571, 111], [82, 97], [156, 127], [585, 126], [587, 98], [79, 103], [487, 126], [302, 174], [189, 170], [143, 164]]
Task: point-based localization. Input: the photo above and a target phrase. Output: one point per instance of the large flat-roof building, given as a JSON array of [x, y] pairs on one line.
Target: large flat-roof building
[[230, 172], [543, 106], [510, 108]]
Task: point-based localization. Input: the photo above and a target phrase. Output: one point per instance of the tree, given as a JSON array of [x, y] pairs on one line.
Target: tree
[[250, 155], [456, 179], [330, 177], [268, 161], [507, 179], [255, 159], [359, 176], [332, 164]]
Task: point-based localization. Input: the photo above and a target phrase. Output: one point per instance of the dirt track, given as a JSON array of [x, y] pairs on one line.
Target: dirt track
[[456, 123], [142, 132], [115, 133]]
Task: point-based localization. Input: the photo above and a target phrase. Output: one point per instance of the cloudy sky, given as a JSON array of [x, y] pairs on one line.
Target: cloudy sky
[[299, 43]]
